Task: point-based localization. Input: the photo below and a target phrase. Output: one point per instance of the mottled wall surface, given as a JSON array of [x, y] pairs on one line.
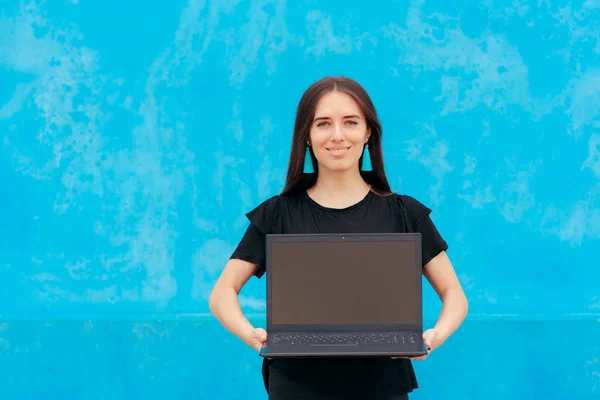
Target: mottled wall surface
[[133, 139]]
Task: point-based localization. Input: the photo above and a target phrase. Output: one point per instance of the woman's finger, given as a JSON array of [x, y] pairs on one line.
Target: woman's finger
[[412, 358]]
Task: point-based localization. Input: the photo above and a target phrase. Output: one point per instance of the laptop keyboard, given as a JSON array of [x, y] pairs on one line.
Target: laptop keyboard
[[344, 338]]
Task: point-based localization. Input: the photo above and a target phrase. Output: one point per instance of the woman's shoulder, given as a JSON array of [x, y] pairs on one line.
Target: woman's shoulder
[[269, 204], [268, 214], [413, 207], [409, 201], [277, 203], [263, 215]]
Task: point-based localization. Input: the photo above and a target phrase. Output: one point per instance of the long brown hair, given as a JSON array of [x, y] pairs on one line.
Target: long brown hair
[[296, 180]]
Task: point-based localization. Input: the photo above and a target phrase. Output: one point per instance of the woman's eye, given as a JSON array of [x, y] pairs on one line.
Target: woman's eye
[[325, 123]]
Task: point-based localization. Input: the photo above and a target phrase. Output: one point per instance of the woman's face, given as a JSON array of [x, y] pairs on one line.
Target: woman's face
[[338, 132]]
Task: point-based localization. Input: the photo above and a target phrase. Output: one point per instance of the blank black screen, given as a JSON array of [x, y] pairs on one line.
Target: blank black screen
[[344, 282]]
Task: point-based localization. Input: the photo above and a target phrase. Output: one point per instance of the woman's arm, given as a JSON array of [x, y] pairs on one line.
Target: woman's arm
[[225, 306], [440, 274]]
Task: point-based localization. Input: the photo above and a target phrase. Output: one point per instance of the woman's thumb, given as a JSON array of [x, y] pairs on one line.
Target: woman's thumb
[[429, 337], [260, 334]]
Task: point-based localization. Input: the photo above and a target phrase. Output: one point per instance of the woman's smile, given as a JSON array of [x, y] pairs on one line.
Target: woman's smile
[[338, 150]]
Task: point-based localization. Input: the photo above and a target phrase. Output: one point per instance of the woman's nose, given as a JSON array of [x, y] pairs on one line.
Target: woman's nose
[[338, 133]]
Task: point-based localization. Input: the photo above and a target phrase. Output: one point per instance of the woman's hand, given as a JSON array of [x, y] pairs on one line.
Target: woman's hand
[[432, 340], [257, 339]]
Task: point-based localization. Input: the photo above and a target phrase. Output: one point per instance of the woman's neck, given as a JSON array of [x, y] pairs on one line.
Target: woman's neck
[[338, 189]]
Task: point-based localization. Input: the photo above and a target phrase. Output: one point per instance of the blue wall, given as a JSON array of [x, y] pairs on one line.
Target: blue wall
[[133, 139]]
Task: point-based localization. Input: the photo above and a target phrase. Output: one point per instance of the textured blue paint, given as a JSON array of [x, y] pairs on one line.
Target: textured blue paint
[[133, 139]]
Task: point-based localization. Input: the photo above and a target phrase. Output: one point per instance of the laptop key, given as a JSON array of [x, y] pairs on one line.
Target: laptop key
[[341, 339]]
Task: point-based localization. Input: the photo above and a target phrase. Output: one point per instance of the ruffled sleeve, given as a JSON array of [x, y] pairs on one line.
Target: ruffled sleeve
[[417, 219], [264, 220]]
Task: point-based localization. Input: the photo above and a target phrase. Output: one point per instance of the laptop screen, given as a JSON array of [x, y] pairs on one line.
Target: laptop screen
[[345, 282]]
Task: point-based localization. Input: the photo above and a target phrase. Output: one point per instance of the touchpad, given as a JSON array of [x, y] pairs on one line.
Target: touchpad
[[332, 347]]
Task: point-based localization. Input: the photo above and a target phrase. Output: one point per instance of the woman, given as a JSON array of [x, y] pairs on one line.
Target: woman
[[336, 184]]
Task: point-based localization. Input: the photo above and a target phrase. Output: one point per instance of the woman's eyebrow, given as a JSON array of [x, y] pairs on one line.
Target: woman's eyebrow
[[347, 116]]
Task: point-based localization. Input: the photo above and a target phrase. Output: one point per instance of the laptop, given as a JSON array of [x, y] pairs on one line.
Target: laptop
[[332, 295]]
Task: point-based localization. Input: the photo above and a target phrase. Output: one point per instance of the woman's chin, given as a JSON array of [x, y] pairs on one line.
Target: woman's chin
[[339, 167]]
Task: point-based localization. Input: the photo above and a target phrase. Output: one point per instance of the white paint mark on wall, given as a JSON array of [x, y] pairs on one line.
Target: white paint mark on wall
[[207, 263], [492, 71], [431, 152], [593, 160], [516, 197], [574, 223]]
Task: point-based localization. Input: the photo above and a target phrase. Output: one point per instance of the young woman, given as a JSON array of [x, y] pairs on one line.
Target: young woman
[[336, 184]]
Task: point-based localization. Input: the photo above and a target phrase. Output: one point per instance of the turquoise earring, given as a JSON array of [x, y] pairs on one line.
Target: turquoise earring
[[366, 163], [308, 163]]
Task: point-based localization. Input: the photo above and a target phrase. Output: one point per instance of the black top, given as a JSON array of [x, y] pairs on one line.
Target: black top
[[300, 214]]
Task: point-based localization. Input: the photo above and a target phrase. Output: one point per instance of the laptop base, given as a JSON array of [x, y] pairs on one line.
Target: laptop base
[[377, 344], [283, 352]]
